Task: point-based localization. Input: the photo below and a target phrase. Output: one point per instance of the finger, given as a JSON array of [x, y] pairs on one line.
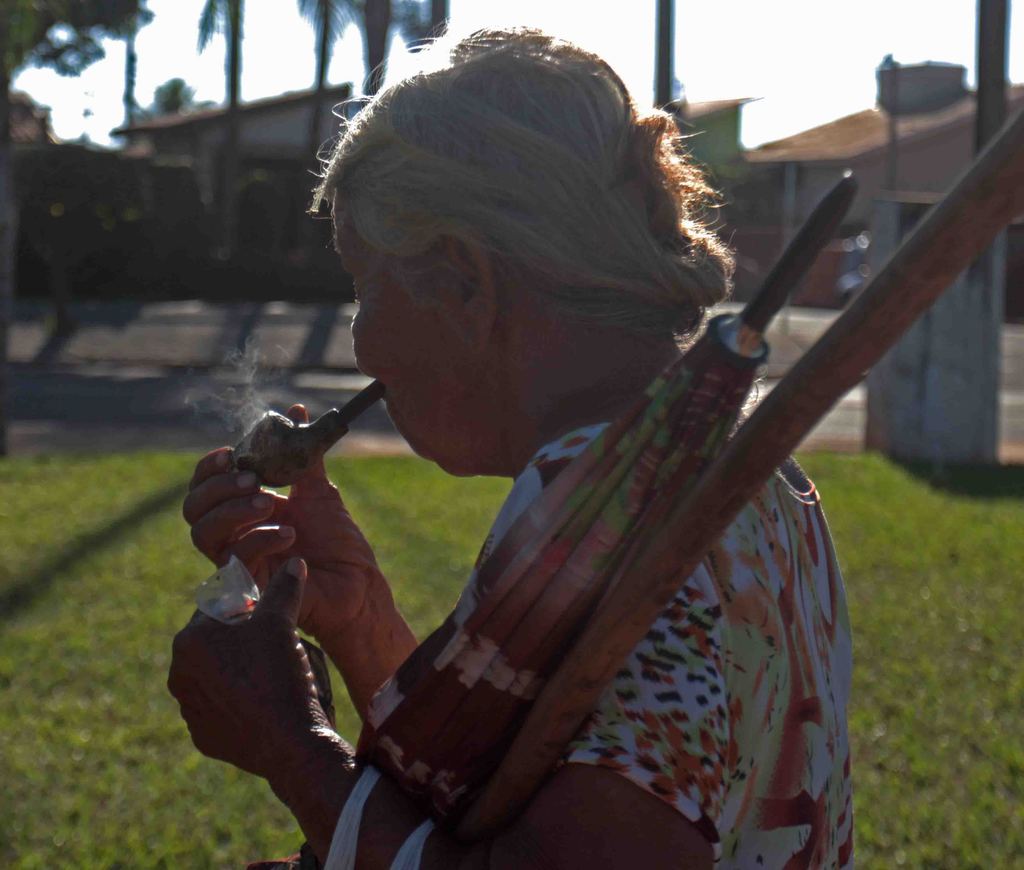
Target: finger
[[283, 594], [215, 462], [314, 483], [214, 531], [202, 729], [298, 414], [184, 649], [261, 542], [216, 490]]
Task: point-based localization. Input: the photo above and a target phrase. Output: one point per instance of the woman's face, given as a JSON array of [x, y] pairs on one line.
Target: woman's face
[[437, 394]]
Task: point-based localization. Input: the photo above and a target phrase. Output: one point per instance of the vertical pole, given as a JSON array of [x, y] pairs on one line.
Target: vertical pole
[[991, 70], [231, 146], [987, 277], [790, 172], [377, 22], [438, 15], [8, 217], [892, 152], [663, 61], [131, 63], [234, 59]]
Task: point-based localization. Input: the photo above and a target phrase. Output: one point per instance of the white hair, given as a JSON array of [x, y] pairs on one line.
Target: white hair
[[532, 148]]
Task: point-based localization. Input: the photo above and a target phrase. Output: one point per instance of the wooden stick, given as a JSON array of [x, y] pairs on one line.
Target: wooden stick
[[950, 237], [800, 254]]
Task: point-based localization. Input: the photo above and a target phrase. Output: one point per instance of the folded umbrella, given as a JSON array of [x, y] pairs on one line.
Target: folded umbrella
[[986, 197]]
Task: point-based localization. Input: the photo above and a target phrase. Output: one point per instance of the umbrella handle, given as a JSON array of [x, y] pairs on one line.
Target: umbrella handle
[[800, 254]]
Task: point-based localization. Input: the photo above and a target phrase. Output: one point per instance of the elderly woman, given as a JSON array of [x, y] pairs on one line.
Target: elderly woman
[[528, 253]]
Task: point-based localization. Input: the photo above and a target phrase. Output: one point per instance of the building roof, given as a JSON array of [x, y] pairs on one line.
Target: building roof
[[30, 122], [202, 116], [689, 110], [864, 132], [692, 111]]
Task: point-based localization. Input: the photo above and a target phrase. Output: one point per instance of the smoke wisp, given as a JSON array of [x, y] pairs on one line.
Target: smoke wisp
[[241, 402]]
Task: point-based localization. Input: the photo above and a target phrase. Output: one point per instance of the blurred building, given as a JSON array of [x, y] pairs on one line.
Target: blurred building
[[918, 138], [277, 164], [912, 145], [712, 128], [274, 133]]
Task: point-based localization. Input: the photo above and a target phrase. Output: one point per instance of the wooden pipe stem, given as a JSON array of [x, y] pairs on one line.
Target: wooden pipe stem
[[330, 426]]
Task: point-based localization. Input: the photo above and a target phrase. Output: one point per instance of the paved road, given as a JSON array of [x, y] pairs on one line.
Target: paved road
[[184, 375]]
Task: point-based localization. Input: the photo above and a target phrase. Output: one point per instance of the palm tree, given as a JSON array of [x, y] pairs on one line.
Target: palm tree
[[131, 60], [328, 18], [416, 21], [438, 15], [131, 64], [376, 24], [226, 16]]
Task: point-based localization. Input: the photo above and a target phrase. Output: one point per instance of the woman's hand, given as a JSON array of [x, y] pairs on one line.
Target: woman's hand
[[246, 691], [230, 515]]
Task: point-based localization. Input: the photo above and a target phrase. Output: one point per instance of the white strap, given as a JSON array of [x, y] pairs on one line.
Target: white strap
[[342, 854], [408, 857]]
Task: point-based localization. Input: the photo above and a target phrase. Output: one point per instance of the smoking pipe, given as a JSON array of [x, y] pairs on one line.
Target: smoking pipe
[[280, 451]]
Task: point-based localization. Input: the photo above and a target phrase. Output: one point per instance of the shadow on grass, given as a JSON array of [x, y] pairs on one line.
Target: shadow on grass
[[972, 481], [413, 536], [24, 592]]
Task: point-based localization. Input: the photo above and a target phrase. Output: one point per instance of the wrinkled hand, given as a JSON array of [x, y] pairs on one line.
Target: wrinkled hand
[[230, 515], [246, 691]]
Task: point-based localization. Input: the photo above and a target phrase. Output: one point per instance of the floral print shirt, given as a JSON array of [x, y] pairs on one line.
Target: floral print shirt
[[732, 710]]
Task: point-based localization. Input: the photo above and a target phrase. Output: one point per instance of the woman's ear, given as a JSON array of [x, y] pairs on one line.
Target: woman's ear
[[471, 299]]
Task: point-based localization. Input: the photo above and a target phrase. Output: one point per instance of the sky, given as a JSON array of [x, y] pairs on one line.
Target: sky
[[806, 62]]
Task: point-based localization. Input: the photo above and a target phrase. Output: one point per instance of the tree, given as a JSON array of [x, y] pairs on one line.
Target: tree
[[64, 35], [329, 18], [415, 21], [131, 28], [174, 97], [412, 19], [131, 65], [376, 24], [438, 15], [226, 16]]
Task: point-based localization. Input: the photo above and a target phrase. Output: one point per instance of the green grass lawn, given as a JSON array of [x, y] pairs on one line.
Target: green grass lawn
[[96, 769]]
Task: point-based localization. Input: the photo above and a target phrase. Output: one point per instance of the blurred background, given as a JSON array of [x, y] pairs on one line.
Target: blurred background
[[162, 155]]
